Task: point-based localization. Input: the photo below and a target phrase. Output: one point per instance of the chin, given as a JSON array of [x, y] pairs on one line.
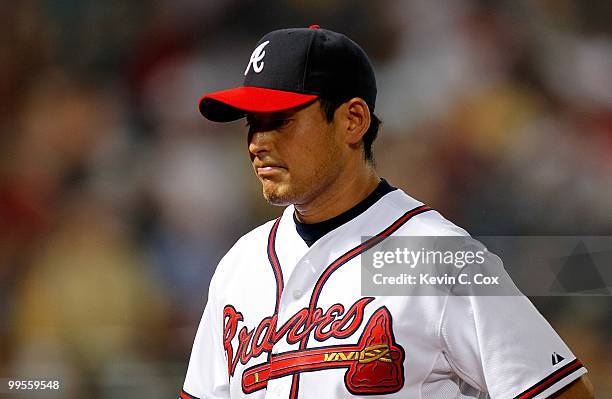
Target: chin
[[277, 194], [277, 199]]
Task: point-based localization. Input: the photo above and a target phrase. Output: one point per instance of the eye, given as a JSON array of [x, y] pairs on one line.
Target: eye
[[265, 125], [280, 123]]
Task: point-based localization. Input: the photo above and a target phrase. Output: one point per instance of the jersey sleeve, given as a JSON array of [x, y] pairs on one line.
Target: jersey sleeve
[[502, 344], [207, 375]]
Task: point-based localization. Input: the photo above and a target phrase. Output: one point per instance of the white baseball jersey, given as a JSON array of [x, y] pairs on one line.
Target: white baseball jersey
[[284, 320]]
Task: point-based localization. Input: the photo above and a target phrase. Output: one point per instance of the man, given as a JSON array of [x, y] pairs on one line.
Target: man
[[286, 317]]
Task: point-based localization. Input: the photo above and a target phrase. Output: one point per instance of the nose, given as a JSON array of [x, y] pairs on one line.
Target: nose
[[259, 142]]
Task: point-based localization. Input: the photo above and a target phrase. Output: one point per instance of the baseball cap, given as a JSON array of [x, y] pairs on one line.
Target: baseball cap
[[292, 67]]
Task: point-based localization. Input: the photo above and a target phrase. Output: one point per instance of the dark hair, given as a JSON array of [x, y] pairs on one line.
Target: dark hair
[[329, 108]]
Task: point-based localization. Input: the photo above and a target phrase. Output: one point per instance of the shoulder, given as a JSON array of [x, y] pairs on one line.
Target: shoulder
[[254, 237], [428, 223], [245, 247]]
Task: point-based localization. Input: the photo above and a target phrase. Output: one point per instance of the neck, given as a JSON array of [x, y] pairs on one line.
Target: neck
[[340, 196]]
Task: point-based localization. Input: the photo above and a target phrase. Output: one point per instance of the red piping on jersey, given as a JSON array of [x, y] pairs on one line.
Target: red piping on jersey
[[360, 249], [185, 395], [341, 261], [295, 386], [273, 258], [551, 379]]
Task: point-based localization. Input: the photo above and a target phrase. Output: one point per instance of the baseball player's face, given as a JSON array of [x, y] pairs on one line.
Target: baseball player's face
[[296, 154]]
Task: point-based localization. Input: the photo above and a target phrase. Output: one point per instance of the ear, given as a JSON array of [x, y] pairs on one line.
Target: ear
[[358, 118]]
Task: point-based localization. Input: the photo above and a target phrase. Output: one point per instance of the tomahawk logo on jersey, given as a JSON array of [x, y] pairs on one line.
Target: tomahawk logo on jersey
[[285, 320]]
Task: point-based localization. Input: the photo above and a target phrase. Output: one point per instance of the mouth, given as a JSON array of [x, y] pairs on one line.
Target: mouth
[[269, 170]]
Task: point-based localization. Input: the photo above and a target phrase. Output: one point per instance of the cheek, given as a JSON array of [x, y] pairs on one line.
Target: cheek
[[309, 152], [328, 147], [318, 157]]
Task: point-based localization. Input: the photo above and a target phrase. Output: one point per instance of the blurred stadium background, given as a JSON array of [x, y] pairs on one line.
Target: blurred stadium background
[[117, 199]]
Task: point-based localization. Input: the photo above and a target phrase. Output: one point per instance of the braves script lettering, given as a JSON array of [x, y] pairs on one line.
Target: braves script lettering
[[334, 322]]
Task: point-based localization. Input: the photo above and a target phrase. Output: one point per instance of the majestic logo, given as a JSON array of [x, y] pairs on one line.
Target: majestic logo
[[374, 364], [556, 358], [257, 58]]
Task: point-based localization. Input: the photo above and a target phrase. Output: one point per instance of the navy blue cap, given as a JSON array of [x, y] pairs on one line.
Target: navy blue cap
[[291, 67]]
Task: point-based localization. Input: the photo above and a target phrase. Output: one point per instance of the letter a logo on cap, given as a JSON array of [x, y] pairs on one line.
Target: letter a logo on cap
[[257, 58]]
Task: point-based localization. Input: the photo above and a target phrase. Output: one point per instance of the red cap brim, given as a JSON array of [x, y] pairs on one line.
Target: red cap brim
[[232, 104]]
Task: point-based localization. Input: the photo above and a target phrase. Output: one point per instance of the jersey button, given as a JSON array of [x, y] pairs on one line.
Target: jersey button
[[297, 294]]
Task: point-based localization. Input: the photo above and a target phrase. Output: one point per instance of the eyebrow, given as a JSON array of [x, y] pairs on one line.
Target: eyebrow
[[250, 117]]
